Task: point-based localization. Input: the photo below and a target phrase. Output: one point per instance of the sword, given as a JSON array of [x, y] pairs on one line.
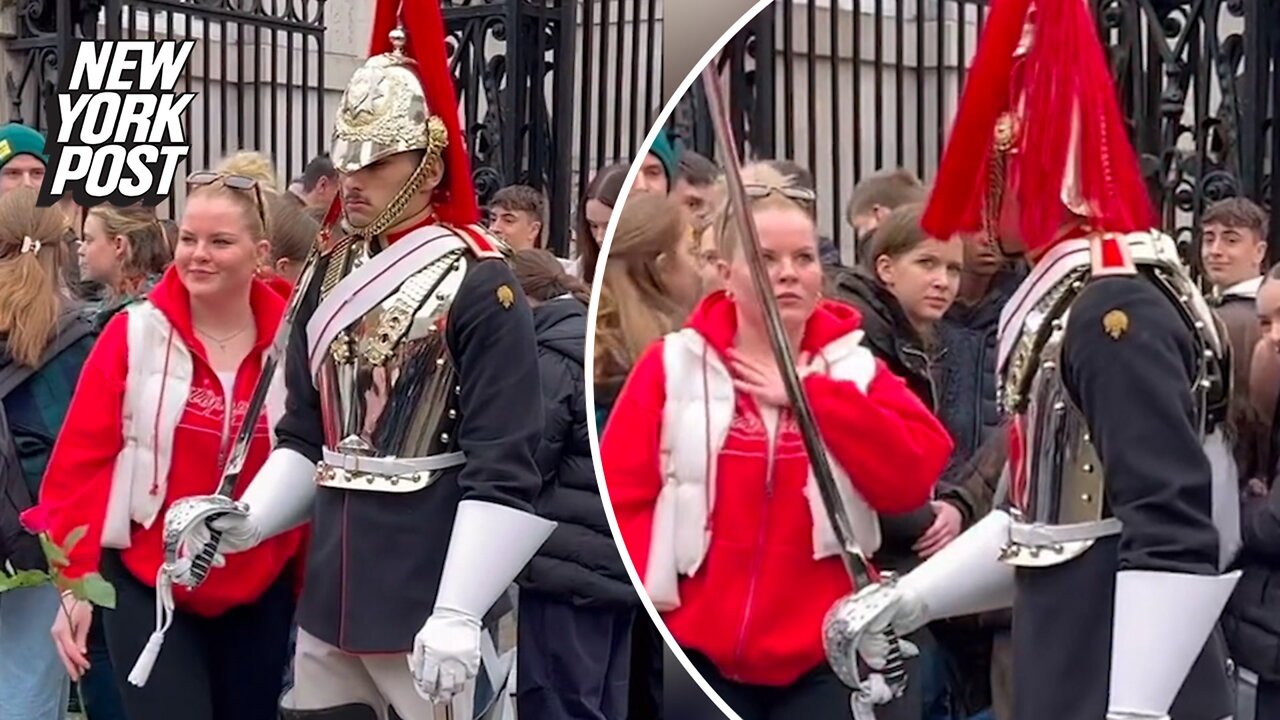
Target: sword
[[203, 562], [855, 562]]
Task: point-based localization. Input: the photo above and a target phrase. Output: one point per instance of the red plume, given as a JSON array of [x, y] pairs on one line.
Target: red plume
[[455, 199], [1069, 78], [1063, 76], [956, 201]]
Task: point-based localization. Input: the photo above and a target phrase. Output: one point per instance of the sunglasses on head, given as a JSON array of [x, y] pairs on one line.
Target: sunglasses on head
[[795, 193], [235, 182]]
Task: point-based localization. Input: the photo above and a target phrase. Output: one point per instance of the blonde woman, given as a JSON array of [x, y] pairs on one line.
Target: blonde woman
[[710, 480], [125, 251], [43, 344], [164, 391], [650, 283]]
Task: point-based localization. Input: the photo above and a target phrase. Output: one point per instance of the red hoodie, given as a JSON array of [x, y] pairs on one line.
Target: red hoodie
[[756, 605], [77, 482]]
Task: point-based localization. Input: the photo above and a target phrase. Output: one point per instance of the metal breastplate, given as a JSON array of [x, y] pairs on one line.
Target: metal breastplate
[[388, 388], [1058, 484]]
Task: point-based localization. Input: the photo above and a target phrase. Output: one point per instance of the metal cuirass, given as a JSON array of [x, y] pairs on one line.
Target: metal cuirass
[[1057, 484], [388, 387]]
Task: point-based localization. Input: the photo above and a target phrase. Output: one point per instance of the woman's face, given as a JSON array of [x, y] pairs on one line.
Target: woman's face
[[925, 280], [101, 256], [709, 261], [597, 220], [679, 270], [217, 255], [789, 246]]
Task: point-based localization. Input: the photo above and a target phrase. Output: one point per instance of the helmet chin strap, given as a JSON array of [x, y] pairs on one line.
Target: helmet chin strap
[[392, 213]]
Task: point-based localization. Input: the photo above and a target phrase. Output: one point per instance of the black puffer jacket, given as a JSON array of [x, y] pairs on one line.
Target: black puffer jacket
[[1251, 623], [968, 407], [579, 564], [891, 338]]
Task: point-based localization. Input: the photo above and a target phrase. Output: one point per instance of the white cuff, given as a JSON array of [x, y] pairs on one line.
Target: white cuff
[[489, 547], [279, 498], [1162, 621]]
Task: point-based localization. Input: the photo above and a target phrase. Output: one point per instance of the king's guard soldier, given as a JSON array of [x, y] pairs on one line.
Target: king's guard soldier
[[413, 408], [1122, 495]]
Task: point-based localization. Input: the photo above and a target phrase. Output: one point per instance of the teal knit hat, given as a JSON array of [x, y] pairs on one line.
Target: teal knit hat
[[16, 139], [666, 152]]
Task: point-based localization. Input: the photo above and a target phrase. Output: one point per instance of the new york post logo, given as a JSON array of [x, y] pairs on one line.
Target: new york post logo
[[115, 123]]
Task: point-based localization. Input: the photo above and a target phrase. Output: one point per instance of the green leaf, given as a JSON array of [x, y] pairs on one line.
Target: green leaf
[[74, 537], [98, 591], [23, 579], [52, 552]]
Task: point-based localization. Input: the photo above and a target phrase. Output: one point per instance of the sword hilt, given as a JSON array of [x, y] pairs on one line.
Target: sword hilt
[[202, 563], [895, 671]]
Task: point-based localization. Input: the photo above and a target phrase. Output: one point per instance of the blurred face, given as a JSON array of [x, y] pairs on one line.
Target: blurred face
[[517, 228], [867, 222], [695, 200], [22, 171], [1231, 255], [367, 191], [217, 255], [597, 219], [323, 193], [925, 280], [679, 270], [101, 256], [652, 177], [980, 257], [1269, 312], [288, 269], [789, 246], [709, 261]]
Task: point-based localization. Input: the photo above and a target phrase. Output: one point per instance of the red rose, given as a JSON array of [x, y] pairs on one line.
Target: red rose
[[38, 519]]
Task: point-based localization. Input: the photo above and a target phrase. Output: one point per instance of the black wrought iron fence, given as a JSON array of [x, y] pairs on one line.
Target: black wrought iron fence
[[850, 92], [552, 90], [257, 69]]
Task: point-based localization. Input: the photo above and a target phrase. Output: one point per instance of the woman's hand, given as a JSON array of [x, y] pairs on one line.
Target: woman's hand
[[761, 380], [71, 635], [945, 528]]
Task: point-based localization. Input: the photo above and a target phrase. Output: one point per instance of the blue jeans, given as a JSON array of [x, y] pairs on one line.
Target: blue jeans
[[33, 683]]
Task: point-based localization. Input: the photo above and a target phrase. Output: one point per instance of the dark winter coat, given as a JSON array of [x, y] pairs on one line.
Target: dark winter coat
[[891, 338], [968, 406], [1251, 623], [579, 564]]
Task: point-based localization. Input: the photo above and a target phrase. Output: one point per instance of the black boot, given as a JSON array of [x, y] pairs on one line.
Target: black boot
[[354, 711]]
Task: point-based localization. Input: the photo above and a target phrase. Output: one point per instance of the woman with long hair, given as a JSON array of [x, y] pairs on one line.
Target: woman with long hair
[[594, 211], [710, 480], [650, 283], [44, 341], [904, 287], [576, 601], [125, 251], [162, 397]]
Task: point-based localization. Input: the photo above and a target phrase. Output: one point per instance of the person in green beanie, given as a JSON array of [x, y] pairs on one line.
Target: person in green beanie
[[22, 157], [658, 169]]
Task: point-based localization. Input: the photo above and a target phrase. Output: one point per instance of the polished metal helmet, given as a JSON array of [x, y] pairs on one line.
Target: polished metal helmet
[[384, 111]]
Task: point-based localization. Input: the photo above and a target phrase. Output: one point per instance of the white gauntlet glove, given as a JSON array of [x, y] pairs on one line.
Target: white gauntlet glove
[[489, 547]]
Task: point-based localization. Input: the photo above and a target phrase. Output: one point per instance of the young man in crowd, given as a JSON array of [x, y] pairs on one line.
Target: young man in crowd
[[658, 169], [318, 184], [1233, 246], [695, 187], [22, 157], [877, 196], [518, 216]]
